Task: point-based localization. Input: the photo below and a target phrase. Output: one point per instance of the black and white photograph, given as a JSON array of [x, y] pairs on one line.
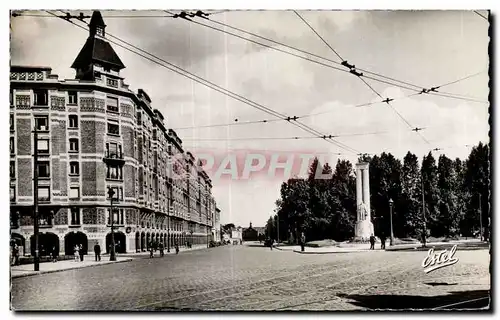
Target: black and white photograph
[[205, 160]]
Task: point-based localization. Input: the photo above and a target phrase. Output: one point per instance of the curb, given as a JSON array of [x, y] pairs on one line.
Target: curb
[[332, 252], [72, 268]]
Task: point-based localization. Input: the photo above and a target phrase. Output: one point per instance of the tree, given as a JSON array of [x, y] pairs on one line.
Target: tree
[[342, 200], [431, 193], [448, 220], [411, 203], [477, 183], [385, 184]]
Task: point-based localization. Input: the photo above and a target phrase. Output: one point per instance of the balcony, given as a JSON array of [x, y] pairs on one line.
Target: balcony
[[114, 158]]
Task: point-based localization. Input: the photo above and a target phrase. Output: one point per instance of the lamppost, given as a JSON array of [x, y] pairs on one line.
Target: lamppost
[[35, 203], [111, 194], [390, 209], [168, 229]]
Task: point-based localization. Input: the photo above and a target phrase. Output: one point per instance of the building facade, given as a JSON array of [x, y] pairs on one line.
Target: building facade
[[94, 134]]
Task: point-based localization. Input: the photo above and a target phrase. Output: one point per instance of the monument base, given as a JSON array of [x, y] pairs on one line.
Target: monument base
[[363, 230]]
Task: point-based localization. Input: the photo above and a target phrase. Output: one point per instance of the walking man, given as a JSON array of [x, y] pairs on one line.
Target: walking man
[[54, 254], [81, 253], [15, 253], [372, 242], [382, 242], [97, 251], [161, 249], [302, 241]]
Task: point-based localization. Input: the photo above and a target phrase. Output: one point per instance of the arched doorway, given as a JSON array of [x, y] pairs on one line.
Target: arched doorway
[[46, 243], [148, 241], [120, 242], [20, 241], [143, 241], [75, 238], [157, 238], [137, 242]]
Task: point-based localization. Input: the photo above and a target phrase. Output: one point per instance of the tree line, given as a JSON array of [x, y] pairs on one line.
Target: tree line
[[453, 192]]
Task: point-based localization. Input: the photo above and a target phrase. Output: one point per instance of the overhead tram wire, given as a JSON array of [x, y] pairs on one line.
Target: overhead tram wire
[[20, 14], [441, 94], [473, 99], [387, 100], [215, 87], [285, 138]]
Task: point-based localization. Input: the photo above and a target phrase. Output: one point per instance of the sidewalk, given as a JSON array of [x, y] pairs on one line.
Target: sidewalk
[[49, 267], [145, 254], [348, 248], [325, 250]]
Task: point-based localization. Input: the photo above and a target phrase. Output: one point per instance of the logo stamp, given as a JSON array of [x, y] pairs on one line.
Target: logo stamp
[[435, 261]]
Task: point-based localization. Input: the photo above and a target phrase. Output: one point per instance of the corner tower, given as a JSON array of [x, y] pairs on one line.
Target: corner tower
[[97, 56]]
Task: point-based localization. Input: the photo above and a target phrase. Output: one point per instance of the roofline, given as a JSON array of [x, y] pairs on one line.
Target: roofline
[[30, 67]]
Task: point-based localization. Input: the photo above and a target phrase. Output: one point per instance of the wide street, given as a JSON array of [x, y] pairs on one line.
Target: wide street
[[250, 277]]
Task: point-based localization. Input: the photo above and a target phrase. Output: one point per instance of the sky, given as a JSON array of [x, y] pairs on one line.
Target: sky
[[427, 48]]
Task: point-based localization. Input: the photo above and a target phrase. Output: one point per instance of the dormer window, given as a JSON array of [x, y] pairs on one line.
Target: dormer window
[[99, 31]]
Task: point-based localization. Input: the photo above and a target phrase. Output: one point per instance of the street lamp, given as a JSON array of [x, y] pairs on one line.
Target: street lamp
[[111, 194], [390, 209]]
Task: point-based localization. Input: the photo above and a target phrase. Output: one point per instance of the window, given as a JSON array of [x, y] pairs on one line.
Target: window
[[73, 121], [118, 217], [44, 193], [12, 194], [114, 172], [112, 104], [75, 216], [11, 122], [139, 117], [74, 168], [112, 82], [74, 192], [113, 129], [43, 146], [100, 31], [44, 169], [12, 169], [97, 75], [73, 145], [11, 96], [12, 149], [113, 150], [41, 97], [72, 97], [45, 217], [42, 123]]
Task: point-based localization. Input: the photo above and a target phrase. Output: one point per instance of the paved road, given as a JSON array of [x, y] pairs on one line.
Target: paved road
[[255, 278]]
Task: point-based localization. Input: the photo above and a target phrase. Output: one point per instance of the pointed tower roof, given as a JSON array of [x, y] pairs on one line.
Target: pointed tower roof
[[97, 50]]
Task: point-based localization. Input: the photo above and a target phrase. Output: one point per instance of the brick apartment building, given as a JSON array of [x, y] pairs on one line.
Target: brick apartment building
[[94, 133]]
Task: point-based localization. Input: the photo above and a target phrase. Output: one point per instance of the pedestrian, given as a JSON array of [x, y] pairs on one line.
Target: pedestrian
[[54, 254], [151, 251], [382, 242], [75, 252], [81, 253], [176, 248], [372, 242], [302, 241], [161, 249], [15, 254], [271, 242], [97, 251]]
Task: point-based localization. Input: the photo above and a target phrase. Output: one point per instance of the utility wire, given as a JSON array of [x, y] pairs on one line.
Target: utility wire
[[319, 36], [366, 83], [218, 88], [401, 84], [20, 14], [284, 138]]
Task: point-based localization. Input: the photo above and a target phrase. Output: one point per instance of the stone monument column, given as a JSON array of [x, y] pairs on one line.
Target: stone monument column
[[364, 225], [359, 191]]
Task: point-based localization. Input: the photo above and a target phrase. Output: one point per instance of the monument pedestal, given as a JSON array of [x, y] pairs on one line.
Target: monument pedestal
[[363, 230]]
